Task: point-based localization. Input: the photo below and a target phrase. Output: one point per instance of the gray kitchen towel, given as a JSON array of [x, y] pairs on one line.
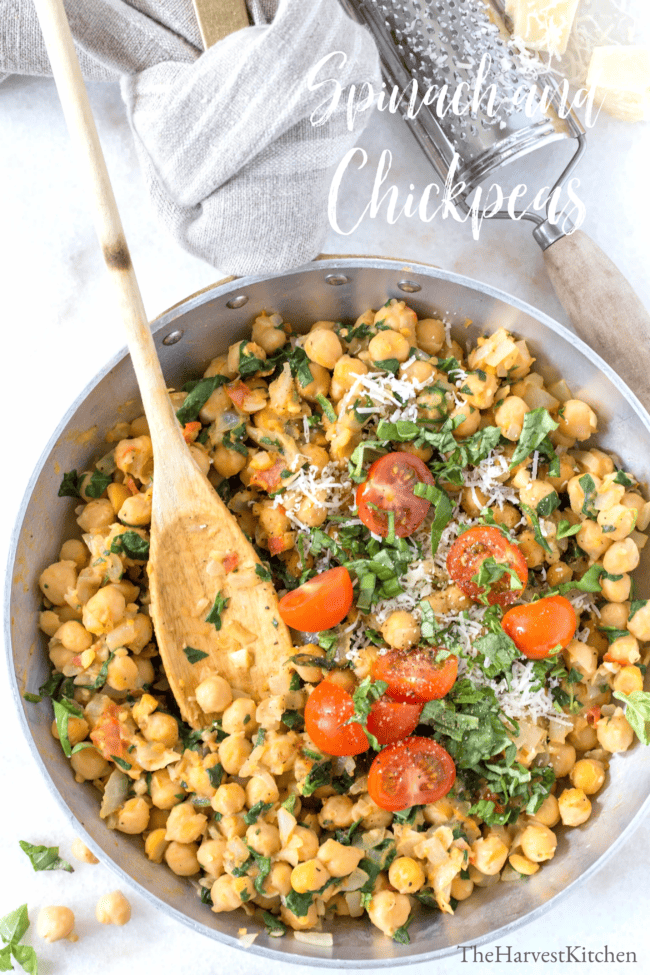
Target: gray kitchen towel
[[236, 169]]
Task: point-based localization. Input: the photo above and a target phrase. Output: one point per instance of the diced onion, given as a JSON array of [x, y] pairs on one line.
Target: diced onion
[[319, 939]]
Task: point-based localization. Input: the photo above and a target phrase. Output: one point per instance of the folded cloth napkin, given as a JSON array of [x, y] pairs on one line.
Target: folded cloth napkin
[[235, 168]]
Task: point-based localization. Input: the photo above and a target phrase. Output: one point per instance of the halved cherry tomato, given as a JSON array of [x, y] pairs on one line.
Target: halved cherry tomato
[[270, 478], [389, 487], [320, 603], [416, 676], [537, 628], [326, 712], [468, 553], [410, 773], [391, 720], [106, 736]]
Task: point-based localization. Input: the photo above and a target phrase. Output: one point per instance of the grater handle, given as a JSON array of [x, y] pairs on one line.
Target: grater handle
[[604, 309]]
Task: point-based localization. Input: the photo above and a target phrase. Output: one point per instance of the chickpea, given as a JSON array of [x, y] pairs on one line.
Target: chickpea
[[229, 893], [389, 345], [319, 386], [164, 792], [97, 516], [419, 371], [625, 650], [430, 335], [269, 335], [113, 908], [231, 826], [577, 420], [371, 815], [628, 680], [630, 500], [592, 539], [264, 838], [614, 733], [58, 579], [55, 923], [575, 808], [523, 865], [538, 843], [136, 510], [509, 416], [240, 717], [406, 875], [163, 728], [182, 860], [583, 736], [449, 600], [461, 889], [228, 799], [184, 825], [49, 622], [401, 630], [472, 419], [639, 624], [614, 614], [210, 855], [88, 764], [558, 573], [617, 591], [81, 852], [582, 657], [228, 462], [336, 812], [489, 854], [589, 775], [134, 816], [388, 911], [340, 860], [508, 515], [548, 813], [233, 752], [78, 729], [74, 550], [346, 372], [562, 758], [304, 923], [261, 788], [309, 875], [156, 844], [531, 549], [307, 843], [123, 673], [104, 610], [618, 521], [323, 347]]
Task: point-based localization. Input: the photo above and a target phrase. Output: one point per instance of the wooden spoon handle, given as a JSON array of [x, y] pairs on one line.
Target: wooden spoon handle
[[603, 307], [218, 18], [81, 125]]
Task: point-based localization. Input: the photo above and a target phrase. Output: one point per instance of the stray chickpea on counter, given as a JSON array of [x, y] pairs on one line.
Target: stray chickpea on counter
[[455, 565]]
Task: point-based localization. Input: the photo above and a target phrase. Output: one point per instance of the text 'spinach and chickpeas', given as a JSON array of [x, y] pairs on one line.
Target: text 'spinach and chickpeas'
[[469, 649]]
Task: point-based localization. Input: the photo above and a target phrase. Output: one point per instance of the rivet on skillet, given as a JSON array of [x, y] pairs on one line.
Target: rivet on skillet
[[237, 302], [409, 286], [337, 279], [174, 337]]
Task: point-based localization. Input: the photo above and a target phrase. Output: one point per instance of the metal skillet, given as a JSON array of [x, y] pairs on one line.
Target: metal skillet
[[186, 337]]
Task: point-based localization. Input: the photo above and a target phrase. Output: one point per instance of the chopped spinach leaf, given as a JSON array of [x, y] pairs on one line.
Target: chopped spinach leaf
[[214, 616], [194, 655], [132, 545]]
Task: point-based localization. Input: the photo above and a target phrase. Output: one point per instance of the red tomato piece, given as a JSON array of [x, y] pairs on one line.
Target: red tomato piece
[[416, 676], [468, 553], [391, 720], [411, 773], [191, 431], [592, 716], [320, 603], [269, 479], [389, 486], [276, 544], [537, 628], [106, 736], [328, 709], [238, 391], [230, 561]]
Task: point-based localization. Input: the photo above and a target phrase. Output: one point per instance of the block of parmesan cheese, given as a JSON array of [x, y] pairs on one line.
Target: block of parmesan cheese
[[620, 76], [543, 25]]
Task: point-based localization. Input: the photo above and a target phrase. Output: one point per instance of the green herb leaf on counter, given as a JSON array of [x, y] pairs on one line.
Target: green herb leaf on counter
[[534, 436], [13, 928], [194, 655], [637, 713], [132, 545], [45, 857], [565, 529], [219, 606]]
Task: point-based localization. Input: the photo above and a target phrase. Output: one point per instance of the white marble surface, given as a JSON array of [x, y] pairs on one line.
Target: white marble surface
[[59, 327]]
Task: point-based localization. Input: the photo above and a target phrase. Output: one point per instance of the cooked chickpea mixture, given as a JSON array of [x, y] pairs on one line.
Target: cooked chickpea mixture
[[454, 562]]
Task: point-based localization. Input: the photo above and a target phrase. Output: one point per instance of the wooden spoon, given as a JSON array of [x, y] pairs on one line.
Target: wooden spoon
[[191, 529]]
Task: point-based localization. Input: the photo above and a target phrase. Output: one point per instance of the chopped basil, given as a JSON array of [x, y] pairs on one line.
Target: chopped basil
[[232, 440], [274, 926], [71, 484], [214, 616], [12, 929], [215, 774], [534, 436], [565, 529], [249, 363], [588, 486], [45, 857], [256, 811], [387, 365], [62, 711], [293, 720], [491, 572], [199, 392], [299, 904], [443, 510], [367, 692], [290, 803], [548, 504], [194, 655], [32, 698], [125, 766], [132, 545], [320, 774], [635, 606], [623, 478], [206, 896], [637, 713], [262, 572], [327, 408], [69, 487], [613, 633], [344, 836], [590, 581], [401, 936]]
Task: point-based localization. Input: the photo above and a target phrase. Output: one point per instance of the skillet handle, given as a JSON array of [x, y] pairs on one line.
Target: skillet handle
[[604, 309]]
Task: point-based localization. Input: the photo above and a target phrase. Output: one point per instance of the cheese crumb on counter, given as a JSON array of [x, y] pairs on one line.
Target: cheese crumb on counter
[[620, 76]]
